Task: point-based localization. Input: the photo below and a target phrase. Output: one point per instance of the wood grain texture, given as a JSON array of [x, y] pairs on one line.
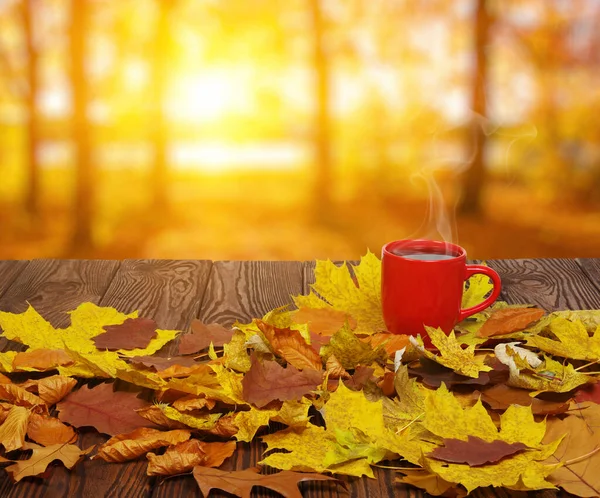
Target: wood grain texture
[[170, 292], [9, 271], [240, 291], [591, 267], [552, 284]]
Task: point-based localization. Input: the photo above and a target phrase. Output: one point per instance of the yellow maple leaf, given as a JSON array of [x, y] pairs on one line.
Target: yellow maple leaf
[[445, 417], [573, 340], [308, 447], [235, 355], [204, 422], [6, 360], [452, 355], [339, 292], [350, 351], [479, 286]]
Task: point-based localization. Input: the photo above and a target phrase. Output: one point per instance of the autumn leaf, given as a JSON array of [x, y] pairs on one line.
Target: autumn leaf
[[431, 483], [17, 395], [475, 451], [268, 381], [68, 454], [501, 396], [509, 320], [178, 459], [323, 321], [579, 451], [191, 402], [339, 292], [390, 342], [14, 427], [133, 333], [478, 288], [334, 369], [154, 414], [202, 336], [48, 431], [307, 448], [110, 412], [132, 445], [452, 355], [203, 422], [291, 346], [235, 353], [52, 389], [6, 360], [411, 404], [446, 418], [351, 351], [159, 364], [41, 359], [241, 482], [573, 340], [433, 374]]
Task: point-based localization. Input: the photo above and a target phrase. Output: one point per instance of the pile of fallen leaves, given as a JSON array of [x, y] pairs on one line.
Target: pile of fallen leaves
[[509, 399]]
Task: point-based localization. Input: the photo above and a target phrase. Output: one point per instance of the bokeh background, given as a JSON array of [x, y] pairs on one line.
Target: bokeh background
[[298, 129]]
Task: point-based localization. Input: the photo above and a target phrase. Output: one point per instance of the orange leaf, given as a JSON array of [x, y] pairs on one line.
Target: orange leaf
[[217, 453], [47, 430], [391, 342], [4, 379], [53, 389], [19, 396], [42, 359], [68, 454], [291, 346], [178, 459], [241, 482], [12, 431], [191, 402], [225, 427], [155, 415], [509, 320], [335, 369], [135, 444], [324, 321]]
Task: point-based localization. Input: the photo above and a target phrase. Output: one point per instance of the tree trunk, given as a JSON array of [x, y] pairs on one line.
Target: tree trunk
[[160, 172], [322, 124], [474, 177], [85, 174], [32, 198]]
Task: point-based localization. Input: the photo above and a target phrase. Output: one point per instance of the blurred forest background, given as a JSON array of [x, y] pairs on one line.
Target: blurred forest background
[[296, 129]]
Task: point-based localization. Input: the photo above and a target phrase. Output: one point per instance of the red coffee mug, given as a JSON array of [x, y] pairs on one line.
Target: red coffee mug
[[422, 284]]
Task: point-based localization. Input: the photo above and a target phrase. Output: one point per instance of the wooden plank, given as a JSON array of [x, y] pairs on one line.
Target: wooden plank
[[552, 284], [169, 292], [240, 291], [54, 287], [9, 271], [591, 267]]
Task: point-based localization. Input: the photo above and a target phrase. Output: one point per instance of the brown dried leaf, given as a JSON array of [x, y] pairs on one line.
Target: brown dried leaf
[[391, 342], [12, 430], [19, 396], [202, 335], [475, 451], [323, 321], [68, 454], [225, 427], [241, 482], [335, 369], [578, 451], [217, 453], [130, 446], [509, 320], [48, 431], [160, 364], [155, 415], [501, 396], [133, 333], [192, 402], [110, 412], [291, 346], [268, 381], [42, 359], [53, 389], [178, 459]]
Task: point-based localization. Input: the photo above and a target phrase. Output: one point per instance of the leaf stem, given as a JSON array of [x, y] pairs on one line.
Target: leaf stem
[[410, 423], [583, 457], [586, 365]]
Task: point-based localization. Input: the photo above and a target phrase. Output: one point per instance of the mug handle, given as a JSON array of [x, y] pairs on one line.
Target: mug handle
[[486, 270]]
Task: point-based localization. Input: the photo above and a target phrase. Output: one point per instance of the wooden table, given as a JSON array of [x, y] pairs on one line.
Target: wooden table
[[175, 292]]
